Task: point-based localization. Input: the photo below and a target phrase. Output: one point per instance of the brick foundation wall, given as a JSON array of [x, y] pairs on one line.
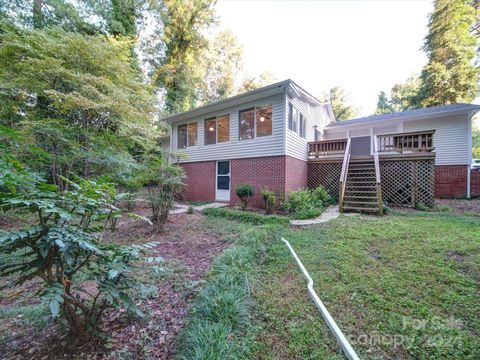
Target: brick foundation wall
[[451, 181], [262, 172], [475, 182], [200, 181], [296, 174]]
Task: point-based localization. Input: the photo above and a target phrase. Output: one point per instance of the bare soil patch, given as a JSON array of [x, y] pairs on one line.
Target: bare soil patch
[[188, 245]]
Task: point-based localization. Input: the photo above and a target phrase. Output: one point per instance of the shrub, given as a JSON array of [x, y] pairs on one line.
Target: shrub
[[190, 210], [62, 248], [163, 182], [306, 204], [270, 201], [244, 216], [244, 193]]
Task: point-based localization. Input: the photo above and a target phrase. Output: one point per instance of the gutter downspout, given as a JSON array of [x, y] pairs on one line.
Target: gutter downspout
[[342, 340], [469, 144]]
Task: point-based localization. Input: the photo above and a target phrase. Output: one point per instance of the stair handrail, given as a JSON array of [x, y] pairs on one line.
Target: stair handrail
[[376, 159], [343, 175]]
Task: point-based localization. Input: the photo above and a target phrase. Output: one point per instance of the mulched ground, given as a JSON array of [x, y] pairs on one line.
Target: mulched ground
[[471, 206], [188, 246]]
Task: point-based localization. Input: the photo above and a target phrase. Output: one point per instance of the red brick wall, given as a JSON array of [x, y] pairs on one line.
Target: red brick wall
[[261, 172], [451, 181], [200, 181], [295, 174], [475, 182]]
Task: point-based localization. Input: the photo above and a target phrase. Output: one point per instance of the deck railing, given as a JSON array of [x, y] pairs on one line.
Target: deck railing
[[322, 148], [343, 175], [420, 141]]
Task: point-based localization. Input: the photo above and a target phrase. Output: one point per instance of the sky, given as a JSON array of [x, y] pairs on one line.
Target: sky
[[363, 46]]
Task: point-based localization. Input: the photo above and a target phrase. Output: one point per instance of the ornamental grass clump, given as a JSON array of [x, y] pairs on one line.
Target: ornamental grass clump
[[269, 200], [307, 204]]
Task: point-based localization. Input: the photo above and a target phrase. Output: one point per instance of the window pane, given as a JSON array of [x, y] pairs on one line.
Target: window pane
[[223, 167], [290, 116], [182, 137], [294, 120], [223, 128], [210, 131], [264, 120], [223, 182], [192, 134], [301, 129], [246, 124]]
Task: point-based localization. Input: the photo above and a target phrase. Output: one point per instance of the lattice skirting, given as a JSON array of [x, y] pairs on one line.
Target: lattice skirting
[[404, 182], [325, 174], [408, 182]]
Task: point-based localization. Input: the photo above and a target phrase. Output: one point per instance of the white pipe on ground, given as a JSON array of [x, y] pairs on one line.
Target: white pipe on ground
[[342, 340]]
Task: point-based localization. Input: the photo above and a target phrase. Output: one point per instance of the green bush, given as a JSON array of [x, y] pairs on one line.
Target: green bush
[[244, 216], [306, 204], [63, 247], [244, 193], [270, 201], [190, 210]]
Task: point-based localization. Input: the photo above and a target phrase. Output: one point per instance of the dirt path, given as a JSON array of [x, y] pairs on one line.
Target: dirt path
[[188, 245]]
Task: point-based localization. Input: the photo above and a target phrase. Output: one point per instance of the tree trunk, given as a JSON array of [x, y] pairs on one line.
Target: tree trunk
[[37, 14]]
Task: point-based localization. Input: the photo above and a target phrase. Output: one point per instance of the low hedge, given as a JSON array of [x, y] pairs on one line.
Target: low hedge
[[218, 324], [246, 216]]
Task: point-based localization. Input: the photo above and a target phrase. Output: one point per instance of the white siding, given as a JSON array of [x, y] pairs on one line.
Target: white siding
[[450, 139], [297, 146], [235, 148], [331, 135]]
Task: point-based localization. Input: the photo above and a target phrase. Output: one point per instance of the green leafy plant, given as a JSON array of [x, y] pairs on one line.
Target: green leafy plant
[[244, 193], [190, 210], [164, 182], [269, 200], [63, 248], [306, 204]]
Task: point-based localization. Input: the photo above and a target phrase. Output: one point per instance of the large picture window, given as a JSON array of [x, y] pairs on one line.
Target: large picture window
[[255, 122], [217, 129], [187, 135]]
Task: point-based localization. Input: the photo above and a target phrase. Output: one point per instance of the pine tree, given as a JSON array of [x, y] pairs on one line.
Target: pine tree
[[338, 97], [450, 75], [383, 104]]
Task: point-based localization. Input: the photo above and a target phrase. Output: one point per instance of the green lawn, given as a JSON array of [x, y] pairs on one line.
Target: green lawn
[[401, 286]]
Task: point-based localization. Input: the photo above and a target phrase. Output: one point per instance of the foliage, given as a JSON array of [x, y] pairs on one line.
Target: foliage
[[179, 72], [475, 139], [190, 210], [221, 64], [244, 193], [163, 182], [270, 201], [403, 96], [63, 247], [250, 82], [450, 75], [218, 326], [338, 97], [306, 204], [248, 217], [77, 99]]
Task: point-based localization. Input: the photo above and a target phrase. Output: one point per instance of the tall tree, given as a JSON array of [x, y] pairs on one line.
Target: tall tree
[[179, 73], [222, 62], [383, 104], [251, 82], [450, 75], [338, 97]]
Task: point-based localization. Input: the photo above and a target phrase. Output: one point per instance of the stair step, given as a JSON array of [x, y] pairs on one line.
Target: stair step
[[371, 192], [360, 181], [359, 169], [372, 203], [347, 197], [360, 209]]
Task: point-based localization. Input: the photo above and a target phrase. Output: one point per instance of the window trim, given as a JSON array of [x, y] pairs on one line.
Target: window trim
[[254, 108], [216, 117], [302, 122], [188, 136]]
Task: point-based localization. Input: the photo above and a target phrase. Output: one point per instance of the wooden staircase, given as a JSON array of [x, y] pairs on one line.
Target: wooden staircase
[[360, 185]]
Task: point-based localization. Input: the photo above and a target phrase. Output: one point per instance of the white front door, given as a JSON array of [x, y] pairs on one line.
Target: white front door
[[222, 181]]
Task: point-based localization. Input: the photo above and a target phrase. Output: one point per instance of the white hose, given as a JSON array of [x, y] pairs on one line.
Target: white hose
[[342, 340]]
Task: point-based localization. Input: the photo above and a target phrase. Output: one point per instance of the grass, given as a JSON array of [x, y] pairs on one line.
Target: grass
[[246, 216], [219, 325], [402, 287]]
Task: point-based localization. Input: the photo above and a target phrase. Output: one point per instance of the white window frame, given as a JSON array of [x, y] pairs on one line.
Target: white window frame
[[188, 136], [216, 129], [254, 107]]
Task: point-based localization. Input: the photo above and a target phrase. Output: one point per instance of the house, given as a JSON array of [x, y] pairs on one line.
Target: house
[[282, 138]]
